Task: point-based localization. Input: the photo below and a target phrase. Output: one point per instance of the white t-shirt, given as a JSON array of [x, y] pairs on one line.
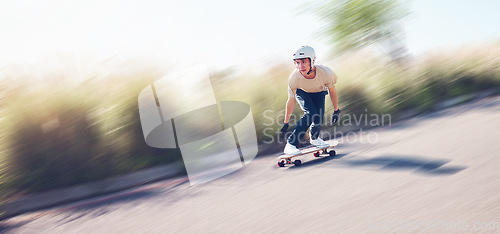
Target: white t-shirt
[[324, 79]]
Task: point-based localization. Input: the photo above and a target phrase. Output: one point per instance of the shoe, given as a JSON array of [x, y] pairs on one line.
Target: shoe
[[319, 143], [291, 149]]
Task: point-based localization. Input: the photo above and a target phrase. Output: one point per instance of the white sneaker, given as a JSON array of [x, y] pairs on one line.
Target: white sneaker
[[291, 149], [319, 143]]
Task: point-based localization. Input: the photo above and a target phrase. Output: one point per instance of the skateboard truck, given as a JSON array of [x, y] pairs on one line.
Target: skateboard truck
[[332, 153], [282, 162]]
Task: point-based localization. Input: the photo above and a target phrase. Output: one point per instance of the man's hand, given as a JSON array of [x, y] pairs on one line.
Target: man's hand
[[335, 116], [284, 128]]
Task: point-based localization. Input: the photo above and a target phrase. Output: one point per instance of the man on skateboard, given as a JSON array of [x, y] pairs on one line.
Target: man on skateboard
[[308, 85]]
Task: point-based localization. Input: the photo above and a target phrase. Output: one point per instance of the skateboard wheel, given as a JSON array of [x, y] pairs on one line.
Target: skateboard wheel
[[281, 163], [297, 162], [332, 153], [316, 154]]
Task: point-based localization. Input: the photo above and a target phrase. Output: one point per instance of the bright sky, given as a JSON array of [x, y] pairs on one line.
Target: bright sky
[[445, 23], [218, 33]]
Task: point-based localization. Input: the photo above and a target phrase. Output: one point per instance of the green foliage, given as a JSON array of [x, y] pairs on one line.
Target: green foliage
[[353, 24], [46, 136], [56, 133]]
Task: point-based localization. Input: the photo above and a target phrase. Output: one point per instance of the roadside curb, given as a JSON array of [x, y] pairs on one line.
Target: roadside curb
[[78, 192]]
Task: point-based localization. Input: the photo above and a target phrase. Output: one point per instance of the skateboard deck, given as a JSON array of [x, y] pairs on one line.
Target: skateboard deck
[[317, 152]]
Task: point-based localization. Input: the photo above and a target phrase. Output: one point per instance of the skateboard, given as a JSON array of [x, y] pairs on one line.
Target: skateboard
[[317, 152]]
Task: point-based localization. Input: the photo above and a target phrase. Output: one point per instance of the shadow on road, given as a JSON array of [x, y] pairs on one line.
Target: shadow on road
[[388, 163], [121, 198], [405, 162], [316, 161], [100, 207], [8, 227]]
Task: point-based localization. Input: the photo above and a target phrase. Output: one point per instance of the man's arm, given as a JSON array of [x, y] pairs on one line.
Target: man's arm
[[290, 105], [333, 96], [333, 93]]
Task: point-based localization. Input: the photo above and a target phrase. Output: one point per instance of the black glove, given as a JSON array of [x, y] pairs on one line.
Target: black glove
[[335, 116], [283, 129]]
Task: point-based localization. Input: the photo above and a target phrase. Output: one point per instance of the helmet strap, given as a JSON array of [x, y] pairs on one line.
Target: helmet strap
[[311, 67]]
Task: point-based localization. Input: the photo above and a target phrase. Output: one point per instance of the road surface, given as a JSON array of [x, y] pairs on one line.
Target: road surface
[[437, 172]]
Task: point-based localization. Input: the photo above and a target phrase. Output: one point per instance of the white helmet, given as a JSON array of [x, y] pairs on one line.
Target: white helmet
[[305, 52]]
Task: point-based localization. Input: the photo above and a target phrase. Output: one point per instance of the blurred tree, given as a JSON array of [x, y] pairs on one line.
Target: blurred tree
[[354, 24]]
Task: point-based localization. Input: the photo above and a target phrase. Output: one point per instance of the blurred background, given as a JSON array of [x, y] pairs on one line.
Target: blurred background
[[71, 71]]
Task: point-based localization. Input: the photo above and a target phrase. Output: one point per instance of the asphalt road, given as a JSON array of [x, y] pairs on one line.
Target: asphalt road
[[437, 172]]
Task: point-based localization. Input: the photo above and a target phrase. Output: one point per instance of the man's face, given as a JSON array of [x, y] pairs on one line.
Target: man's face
[[302, 64]]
